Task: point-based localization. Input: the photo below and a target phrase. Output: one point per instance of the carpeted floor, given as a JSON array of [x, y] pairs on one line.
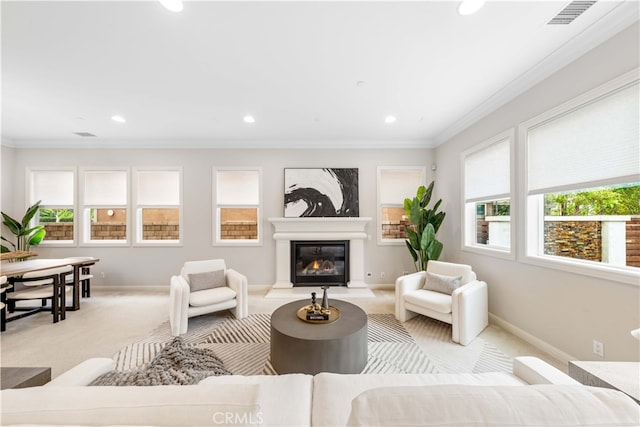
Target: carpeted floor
[[421, 345]]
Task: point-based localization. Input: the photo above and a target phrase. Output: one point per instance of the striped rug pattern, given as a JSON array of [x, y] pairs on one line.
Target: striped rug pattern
[[421, 345]]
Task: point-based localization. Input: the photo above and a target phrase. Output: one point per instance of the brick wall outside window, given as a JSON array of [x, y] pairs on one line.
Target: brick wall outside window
[[233, 230]]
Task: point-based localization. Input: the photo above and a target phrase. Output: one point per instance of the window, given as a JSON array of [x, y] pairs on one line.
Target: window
[[55, 189], [583, 173], [104, 206], [595, 224], [394, 185], [487, 223], [158, 206], [237, 205]]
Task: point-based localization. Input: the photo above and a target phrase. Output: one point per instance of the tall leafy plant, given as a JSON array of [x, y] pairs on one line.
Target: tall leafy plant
[[26, 236], [425, 222]]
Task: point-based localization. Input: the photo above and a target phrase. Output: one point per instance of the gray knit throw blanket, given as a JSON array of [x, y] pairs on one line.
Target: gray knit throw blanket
[[176, 363]]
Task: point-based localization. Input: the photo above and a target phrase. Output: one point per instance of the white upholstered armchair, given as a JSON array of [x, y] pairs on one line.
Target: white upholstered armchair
[[463, 302], [205, 287]]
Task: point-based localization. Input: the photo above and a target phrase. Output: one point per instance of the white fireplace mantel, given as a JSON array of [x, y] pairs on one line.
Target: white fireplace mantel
[[352, 229]]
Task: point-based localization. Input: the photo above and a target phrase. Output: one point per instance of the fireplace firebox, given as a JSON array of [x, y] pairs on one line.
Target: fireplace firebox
[[324, 262]]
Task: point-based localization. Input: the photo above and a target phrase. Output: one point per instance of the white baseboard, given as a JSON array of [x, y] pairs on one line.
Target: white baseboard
[[531, 339], [254, 289], [155, 288], [137, 288]]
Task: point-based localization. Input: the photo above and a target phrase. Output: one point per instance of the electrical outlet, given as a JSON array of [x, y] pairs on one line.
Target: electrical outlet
[[382, 274], [103, 275], [598, 348]]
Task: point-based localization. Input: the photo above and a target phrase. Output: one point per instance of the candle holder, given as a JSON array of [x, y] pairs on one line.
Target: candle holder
[[316, 313]]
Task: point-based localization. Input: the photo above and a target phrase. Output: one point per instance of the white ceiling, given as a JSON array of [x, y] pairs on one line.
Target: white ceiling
[[187, 79]]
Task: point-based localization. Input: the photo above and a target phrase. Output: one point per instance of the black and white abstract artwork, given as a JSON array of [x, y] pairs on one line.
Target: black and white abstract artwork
[[321, 192]]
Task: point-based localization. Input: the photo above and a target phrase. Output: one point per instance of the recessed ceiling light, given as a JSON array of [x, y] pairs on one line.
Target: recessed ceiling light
[[390, 119], [172, 5], [469, 7], [249, 119], [118, 119]]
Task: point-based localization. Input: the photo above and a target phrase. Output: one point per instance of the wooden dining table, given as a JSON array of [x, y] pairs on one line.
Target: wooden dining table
[[13, 270], [16, 255]]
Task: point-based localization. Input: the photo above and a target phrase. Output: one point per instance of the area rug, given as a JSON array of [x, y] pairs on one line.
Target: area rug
[[421, 345]]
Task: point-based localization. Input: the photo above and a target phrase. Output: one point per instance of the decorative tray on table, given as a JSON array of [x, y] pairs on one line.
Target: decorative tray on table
[[312, 315]]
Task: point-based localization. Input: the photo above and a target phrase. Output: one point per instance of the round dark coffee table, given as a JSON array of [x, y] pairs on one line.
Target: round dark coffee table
[[310, 348]]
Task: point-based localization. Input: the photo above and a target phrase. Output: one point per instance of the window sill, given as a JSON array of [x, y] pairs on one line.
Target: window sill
[[58, 244], [490, 251], [160, 244], [238, 243], [105, 244], [392, 242], [627, 275]]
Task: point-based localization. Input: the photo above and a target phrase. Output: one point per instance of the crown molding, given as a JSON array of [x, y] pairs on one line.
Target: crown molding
[[97, 143], [616, 21]]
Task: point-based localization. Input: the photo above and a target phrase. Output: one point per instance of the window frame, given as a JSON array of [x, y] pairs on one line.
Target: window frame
[[136, 208], [215, 217], [468, 209], [84, 209], [422, 170], [532, 210], [29, 171]]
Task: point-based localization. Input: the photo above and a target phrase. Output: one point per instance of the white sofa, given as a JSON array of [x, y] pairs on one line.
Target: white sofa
[[535, 393]]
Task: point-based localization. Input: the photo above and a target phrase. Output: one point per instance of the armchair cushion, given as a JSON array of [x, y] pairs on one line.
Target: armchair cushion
[[436, 301], [206, 280], [211, 296], [442, 283]]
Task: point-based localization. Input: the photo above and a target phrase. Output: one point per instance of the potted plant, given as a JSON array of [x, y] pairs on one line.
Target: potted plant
[[26, 236], [425, 222]]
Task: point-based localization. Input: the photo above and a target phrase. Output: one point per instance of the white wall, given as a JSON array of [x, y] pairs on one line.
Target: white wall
[[136, 266], [564, 310], [6, 186]]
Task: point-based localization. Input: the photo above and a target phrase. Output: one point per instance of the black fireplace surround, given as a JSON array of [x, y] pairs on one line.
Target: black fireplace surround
[[319, 262]]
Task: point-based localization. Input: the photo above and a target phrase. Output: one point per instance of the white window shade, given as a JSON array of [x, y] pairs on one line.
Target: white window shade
[[238, 187], [397, 185], [487, 172], [105, 188], [53, 188], [595, 144], [158, 188]]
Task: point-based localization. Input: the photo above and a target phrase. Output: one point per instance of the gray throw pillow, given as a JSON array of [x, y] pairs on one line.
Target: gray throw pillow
[[441, 283], [206, 280]]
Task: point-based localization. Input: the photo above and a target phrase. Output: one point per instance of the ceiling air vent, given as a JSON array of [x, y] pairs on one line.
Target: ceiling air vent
[[84, 134], [567, 15]]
